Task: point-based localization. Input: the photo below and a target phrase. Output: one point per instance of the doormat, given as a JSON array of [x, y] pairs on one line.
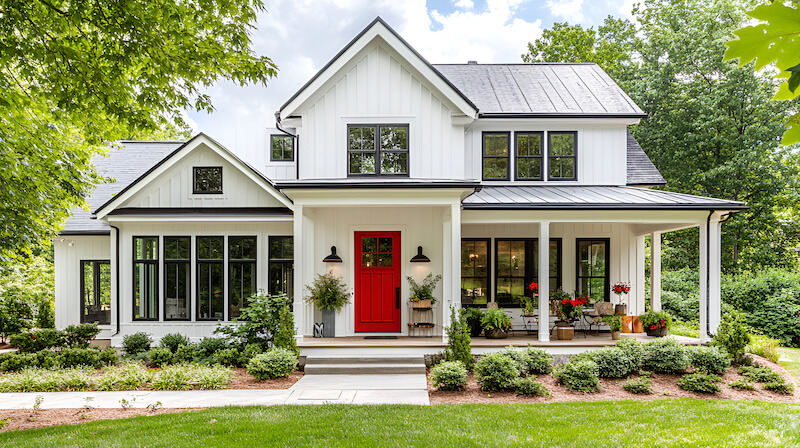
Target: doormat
[[380, 337]]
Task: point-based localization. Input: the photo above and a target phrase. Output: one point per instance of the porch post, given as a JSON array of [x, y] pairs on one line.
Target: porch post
[[704, 259], [298, 305], [715, 276], [638, 287], [544, 281], [655, 271]]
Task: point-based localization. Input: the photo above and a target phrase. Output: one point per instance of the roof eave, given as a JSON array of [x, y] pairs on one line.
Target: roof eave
[[684, 207]]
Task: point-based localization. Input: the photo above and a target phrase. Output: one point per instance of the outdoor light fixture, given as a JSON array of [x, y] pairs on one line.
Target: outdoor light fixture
[[332, 258], [419, 257]]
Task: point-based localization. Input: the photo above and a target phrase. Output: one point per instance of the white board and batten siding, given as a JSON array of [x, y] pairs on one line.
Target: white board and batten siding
[[69, 251]]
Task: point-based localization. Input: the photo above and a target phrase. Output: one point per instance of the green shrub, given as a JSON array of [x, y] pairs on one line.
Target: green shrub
[[45, 315], [764, 347], [760, 374], [249, 352], [229, 357], [36, 340], [45, 380], [190, 376], [173, 377], [781, 387], [79, 357], [108, 357], [709, 359], [46, 359], [665, 355], [633, 348], [275, 363], [741, 385], [613, 362], [160, 356], [686, 308], [527, 386], [702, 383], [172, 341], [639, 386], [128, 375], [208, 346], [186, 353], [78, 336], [519, 357], [16, 316], [539, 361], [136, 343], [449, 375], [14, 362], [582, 375], [260, 318], [496, 371], [770, 301], [284, 337], [458, 340], [732, 335]]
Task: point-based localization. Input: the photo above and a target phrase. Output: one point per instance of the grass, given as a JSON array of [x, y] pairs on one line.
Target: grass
[[684, 422], [790, 358]]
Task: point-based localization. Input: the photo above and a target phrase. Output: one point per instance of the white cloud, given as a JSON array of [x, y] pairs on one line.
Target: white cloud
[[465, 4], [570, 10]]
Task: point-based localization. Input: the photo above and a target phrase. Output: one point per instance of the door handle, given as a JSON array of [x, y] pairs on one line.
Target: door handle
[[397, 297]]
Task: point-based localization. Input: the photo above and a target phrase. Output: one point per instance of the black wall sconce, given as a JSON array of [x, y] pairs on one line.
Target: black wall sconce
[[332, 258], [419, 257]]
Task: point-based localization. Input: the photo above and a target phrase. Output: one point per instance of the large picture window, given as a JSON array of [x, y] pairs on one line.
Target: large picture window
[[593, 268], [281, 265], [475, 277], [210, 277], [528, 156], [561, 155], [377, 150], [177, 277], [145, 278], [517, 266], [242, 260], [96, 292], [495, 155]]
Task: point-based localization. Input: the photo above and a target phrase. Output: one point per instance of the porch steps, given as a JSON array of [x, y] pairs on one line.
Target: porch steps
[[364, 365]]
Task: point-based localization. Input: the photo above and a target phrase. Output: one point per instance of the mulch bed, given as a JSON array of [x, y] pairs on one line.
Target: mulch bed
[[21, 419], [664, 386]]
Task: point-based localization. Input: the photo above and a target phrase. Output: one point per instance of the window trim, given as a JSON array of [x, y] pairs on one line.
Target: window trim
[[221, 261], [377, 151], [489, 278], [194, 180], [157, 263], [530, 273], [541, 156], [95, 286], [607, 241], [508, 157], [272, 148], [282, 261], [169, 261], [232, 262], [574, 157]]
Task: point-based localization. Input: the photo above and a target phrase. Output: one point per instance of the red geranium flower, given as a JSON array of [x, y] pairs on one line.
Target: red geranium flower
[[534, 287]]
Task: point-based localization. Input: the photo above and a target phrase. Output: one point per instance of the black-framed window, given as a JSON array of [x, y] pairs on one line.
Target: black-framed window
[[496, 151], [593, 267], [177, 277], [242, 261], [96, 292], [377, 150], [281, 265], [562, 150], [528, 156], [207, 180], [145, 278], [516, 266], [281, 148], [475, 271], [210, 277]]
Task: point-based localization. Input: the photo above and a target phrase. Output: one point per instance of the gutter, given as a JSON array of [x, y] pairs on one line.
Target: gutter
[[116, 284], [296, 144]]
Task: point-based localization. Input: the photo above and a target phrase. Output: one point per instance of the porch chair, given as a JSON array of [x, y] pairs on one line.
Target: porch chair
[[594, 317]]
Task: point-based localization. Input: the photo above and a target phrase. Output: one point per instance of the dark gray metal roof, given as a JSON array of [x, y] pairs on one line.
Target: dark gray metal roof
[[591, 197], [124, 165], [641, 170], [578, 89]]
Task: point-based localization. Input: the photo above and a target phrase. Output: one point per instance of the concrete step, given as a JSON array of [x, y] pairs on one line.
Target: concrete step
[[311, 360], [364, 369]]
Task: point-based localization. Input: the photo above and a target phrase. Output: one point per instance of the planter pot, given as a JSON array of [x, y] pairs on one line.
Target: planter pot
[[626, 324], [658, 332], [495, 334], [475, 329], [328, 323], [615, 335], [565, 333], [421, 304], [621, 309], [636, 325]]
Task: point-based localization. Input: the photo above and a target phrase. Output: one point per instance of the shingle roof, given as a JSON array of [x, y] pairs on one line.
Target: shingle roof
[[543, 88], [641, 170], [124, 165], [591, 197]]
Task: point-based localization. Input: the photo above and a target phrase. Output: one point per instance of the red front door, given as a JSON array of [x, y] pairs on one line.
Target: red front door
[[377, 281]]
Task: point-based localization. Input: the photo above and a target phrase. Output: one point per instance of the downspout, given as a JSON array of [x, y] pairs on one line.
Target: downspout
[[116, 284], [297, 144]]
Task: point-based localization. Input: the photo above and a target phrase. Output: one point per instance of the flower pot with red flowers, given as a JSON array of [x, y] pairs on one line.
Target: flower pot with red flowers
[[496, 323], [656, 323], [529, 304], [568, 311], [619, 289]]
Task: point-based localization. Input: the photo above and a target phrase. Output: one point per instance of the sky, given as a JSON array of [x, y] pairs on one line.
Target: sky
[[301, 36]]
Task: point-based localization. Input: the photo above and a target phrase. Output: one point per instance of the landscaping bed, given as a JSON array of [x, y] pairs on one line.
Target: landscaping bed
[[21, 419]]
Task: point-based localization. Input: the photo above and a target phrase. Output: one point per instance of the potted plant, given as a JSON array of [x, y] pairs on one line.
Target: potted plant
[[496, 323], [619, 289], [568, 311], [422, 294], [656, 323], [329, 293], [474, 318], [614, 322], [529, 304]]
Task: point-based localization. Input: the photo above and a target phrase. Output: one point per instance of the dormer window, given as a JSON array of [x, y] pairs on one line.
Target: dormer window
[[207, 180], [377, 150], [281, 148], [528, 155], [495, 155], [561, 155]]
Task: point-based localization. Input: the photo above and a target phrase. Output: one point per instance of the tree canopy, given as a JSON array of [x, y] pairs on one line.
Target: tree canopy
[[77, 74]]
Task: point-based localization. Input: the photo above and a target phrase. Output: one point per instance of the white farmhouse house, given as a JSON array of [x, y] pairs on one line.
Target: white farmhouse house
[[483, 169]]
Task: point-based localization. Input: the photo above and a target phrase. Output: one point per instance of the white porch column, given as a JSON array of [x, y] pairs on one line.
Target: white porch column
[[299, 261], [544, 281], [655, 271], [704, 258], [638, 287], [451, 263], [715, 276]]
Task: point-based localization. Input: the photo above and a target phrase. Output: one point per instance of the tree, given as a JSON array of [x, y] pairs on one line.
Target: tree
[[78, 74]]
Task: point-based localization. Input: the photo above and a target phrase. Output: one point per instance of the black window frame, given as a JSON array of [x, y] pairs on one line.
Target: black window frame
[[531, 273], [574, 156], [96, 277], [240, 261], [155, 262], [489, 289], [194, 180], [541, 156], [378, 151], [272, 157], [507, 157], [284, 262], [578, 276], [185, 262], [198, 262]]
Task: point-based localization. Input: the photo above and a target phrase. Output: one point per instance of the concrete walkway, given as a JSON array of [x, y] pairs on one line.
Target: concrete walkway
[[311, 389]]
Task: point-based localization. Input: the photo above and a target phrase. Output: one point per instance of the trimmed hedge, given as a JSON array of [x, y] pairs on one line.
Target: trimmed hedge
[[275, 363], [449, 375], [582, 375], [496, 371], [665, 355]]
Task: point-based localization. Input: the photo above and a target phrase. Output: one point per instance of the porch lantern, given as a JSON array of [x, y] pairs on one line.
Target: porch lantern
[[419, 257], [332, 258]]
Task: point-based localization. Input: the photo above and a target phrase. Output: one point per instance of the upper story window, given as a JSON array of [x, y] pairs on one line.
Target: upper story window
[[281, 148], [377, 150], [561, 155], [496, 155], [528, 156], [207, 180]]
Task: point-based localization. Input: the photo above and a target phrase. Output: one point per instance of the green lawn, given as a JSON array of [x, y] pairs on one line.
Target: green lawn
[[683, 422], [793, 364]]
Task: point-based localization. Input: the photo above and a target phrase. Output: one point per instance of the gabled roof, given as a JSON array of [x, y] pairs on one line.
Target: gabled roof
[[541, 90], [379, 27], [641, 170]]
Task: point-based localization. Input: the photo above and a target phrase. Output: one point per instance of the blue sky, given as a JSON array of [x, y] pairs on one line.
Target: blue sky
[[300, 36]]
